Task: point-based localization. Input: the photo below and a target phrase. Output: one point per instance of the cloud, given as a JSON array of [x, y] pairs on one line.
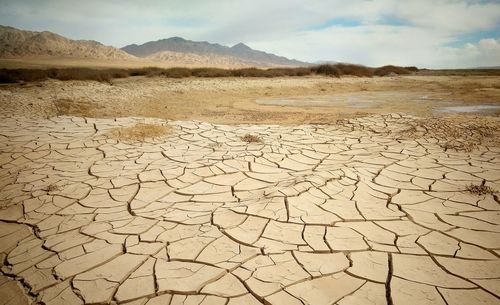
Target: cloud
[[383, 45], [416, 32], [484, 53], [372, 45]]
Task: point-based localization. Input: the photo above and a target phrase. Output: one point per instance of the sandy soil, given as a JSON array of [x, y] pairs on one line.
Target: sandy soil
[[233, 100]]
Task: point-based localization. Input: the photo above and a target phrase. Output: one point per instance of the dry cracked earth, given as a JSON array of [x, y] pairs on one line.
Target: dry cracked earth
[[314, 214]]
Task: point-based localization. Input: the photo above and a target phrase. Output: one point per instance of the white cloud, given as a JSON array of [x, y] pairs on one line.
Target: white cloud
[[287, 27], [484, 53], [370, 45], [382, 45]]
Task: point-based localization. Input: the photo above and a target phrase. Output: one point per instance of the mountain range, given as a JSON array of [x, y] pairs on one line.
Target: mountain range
[[19, 44], [15, 43], [239, 51]]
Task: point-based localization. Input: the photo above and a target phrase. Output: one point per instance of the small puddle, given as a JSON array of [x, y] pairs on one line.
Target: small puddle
[[470, 109]]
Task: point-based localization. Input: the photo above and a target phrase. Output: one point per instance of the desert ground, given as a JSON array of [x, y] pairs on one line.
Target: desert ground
[[307, 191]]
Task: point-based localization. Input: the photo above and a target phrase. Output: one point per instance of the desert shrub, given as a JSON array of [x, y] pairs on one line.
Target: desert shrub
[[30, 75], [302, 71], [354, 70], [387, 70], [276, 72], [8, 76], [330, 70], [27, 75], [211, 72], [106, 75], [148, 71], [248, 72], [343, 69], [412, 69], [86, 74], [176, 72]]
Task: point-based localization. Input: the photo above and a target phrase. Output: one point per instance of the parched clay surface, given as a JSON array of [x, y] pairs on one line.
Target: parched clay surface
[[326, 214]]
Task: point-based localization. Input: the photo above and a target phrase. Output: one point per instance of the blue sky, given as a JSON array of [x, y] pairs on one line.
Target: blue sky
[[425, 33]]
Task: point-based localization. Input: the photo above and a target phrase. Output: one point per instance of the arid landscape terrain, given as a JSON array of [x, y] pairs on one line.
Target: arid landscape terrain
[[312, 190], [282, 190]]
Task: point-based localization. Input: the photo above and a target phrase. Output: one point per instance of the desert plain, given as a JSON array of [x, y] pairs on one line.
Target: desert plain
[[295, 190]]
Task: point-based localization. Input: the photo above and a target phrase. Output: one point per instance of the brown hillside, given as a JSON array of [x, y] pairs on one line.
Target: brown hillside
[[15, 43]]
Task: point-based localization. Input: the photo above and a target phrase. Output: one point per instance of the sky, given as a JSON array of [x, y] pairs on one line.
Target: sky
[[423, 33]]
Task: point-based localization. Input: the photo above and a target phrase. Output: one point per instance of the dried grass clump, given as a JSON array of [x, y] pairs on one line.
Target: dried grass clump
[[51, 188], [215, 145], [479, 189], [454, 134], [140, 132], [251, 138], [465, 146]]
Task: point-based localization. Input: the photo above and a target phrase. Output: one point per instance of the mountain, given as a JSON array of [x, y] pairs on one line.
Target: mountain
[[195, 60], [15, 43], [240, 51]]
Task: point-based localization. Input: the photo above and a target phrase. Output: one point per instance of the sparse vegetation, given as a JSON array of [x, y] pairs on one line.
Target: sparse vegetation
[[215, 145], [140, 132], [51, 188], [107, 75], [251, 138], [465, 146], [479, 189], [388, 70], [30, 75], [329, 70]]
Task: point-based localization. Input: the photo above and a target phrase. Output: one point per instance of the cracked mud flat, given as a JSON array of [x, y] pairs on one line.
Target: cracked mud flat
[[325, 214]]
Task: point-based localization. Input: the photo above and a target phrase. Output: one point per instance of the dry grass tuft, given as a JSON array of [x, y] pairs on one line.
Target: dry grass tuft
[[465, 146], [251, 138], [215, 145], [140, 132], [479, 189], [51, 188]]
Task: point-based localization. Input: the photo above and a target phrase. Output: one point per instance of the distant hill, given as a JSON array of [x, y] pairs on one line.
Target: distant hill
[[197, 60], [240, 51], [15, 43]]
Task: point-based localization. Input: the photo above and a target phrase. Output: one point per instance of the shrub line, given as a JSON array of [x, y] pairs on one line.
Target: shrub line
[[107, 75]]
